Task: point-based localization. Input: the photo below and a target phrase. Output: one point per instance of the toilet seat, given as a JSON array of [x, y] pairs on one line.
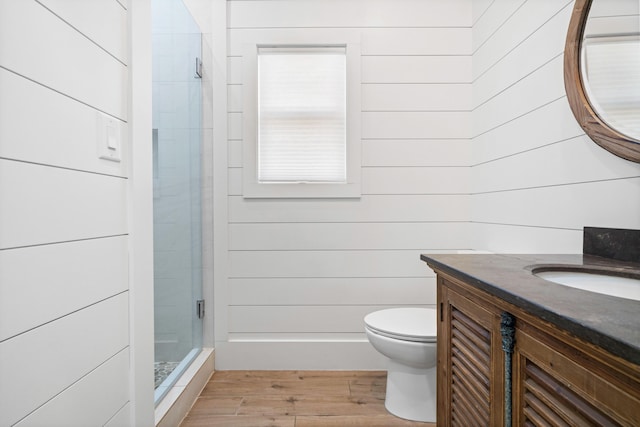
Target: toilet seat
[[405, 324]]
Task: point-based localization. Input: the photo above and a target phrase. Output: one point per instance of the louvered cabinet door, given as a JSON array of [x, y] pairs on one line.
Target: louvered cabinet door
[[470, 381], [555, 385]]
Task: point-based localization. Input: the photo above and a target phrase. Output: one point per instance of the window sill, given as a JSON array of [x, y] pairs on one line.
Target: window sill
[[302, 190]]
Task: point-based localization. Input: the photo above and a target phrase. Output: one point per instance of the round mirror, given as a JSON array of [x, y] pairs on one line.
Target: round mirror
[[602, 73]]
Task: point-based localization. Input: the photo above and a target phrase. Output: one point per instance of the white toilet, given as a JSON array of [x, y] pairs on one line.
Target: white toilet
[[407, 336]]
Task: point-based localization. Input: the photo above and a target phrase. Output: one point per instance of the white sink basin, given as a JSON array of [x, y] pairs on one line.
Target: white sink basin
[[622, 287]]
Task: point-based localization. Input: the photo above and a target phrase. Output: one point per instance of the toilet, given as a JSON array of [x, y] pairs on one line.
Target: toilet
[[407, 337]]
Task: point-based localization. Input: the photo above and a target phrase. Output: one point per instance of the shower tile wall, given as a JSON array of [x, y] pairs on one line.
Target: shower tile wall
[[177, 103]]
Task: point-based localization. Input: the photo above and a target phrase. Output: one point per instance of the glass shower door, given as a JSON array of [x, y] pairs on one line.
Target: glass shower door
[[177, 190]]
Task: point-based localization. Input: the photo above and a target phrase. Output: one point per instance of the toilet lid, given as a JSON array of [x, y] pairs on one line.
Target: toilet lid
[[409, 324]]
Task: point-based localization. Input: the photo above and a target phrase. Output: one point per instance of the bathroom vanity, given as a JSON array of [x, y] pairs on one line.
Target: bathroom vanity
[[515, 349]]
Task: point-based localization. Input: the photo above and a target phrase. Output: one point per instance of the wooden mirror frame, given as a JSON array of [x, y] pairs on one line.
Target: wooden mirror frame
[[599, 131]]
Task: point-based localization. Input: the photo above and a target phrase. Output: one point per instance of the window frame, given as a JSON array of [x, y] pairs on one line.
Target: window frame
[[251, 187]]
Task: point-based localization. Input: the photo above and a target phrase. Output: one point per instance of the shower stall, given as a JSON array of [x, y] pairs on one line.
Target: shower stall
[[177, 190]]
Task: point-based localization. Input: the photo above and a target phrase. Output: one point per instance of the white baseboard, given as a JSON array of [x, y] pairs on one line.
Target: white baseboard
[[300, 355], [180, 398]]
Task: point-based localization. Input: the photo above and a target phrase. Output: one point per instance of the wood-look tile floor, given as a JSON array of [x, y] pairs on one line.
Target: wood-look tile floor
[[294, 399]]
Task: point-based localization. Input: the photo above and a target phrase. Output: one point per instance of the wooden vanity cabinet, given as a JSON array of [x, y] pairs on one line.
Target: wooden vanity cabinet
[[558, 380], [555, 378], [470, 388]]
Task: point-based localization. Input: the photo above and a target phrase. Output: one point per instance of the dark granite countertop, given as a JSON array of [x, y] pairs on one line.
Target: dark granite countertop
[[609, 322]]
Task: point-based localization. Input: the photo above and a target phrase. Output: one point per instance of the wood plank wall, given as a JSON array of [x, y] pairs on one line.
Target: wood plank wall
[[303, 273], [537, 179], [64, 304]]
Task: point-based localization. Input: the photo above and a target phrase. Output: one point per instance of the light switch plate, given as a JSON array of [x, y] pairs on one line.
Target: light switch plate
[[109, 138]]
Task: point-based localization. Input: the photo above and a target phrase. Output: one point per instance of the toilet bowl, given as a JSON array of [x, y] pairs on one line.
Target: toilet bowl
[[407, 337]]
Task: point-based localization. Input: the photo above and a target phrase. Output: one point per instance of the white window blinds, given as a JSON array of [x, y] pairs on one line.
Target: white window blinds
[[302, 114], [612, 67]]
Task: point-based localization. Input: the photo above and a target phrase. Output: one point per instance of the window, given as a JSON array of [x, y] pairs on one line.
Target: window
[[611, 65], [301, 121], [302, 115]]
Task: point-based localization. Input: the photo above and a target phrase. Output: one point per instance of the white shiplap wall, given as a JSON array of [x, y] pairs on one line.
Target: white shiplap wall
[[64, 303], [537, 179], [303, 273]]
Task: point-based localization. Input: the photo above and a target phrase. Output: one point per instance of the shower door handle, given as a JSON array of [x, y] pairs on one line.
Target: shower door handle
[[200, 308]]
